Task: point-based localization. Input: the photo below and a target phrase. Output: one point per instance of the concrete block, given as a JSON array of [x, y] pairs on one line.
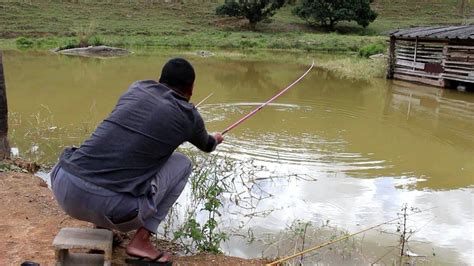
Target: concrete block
[[83, 238]]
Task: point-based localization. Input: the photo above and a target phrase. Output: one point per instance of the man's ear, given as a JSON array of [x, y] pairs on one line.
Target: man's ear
[[190, 90]]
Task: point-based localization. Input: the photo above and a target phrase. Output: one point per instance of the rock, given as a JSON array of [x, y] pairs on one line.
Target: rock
[[204, 53], [461, 87], [377, 56], [96, 51]]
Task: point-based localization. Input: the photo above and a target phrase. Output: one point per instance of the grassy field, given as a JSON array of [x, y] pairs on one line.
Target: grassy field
[[194, 24], [45, 24]]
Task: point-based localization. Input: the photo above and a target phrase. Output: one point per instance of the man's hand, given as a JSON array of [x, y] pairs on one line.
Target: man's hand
[[219, 138]]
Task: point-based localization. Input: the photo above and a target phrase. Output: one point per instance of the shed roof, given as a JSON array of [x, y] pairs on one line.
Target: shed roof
[[438, 33]]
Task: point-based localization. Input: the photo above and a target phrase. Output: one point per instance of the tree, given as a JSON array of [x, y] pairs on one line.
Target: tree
[[254, 10], [328, 13], [4, 147]]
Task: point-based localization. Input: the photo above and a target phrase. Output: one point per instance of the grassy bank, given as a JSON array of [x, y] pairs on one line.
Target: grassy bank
[[220, 40]]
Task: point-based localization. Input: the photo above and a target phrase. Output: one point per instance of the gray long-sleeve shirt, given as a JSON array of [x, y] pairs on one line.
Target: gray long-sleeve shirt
[[148, 123]]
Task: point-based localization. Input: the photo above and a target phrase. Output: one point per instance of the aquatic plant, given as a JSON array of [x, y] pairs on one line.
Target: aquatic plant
[[218, 184], [301, 234], [404, 231]]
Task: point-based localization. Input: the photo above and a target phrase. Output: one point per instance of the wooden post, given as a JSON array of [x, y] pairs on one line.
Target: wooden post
[[4, 146], [414, 56], [443, 64], [391, 58]]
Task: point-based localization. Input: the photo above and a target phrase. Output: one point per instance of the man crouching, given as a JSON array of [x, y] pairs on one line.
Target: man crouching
[[127, 175]]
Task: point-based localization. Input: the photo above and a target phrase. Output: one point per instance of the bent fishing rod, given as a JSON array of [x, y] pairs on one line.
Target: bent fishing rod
[[241, 120]]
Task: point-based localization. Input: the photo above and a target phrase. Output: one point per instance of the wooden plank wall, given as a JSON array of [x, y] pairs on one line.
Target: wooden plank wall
[[459, 63], [419, 61]]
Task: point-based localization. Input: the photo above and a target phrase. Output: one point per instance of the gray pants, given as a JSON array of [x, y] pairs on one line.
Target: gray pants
[[121, 211]]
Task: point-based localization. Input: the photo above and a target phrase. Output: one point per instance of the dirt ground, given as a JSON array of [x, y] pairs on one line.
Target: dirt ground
[[31, 218]]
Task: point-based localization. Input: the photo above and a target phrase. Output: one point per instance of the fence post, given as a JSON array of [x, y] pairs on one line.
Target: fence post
[[391, 58], [4, 146]]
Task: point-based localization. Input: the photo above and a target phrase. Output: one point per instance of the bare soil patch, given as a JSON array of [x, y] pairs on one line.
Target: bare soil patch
[[31, 218]]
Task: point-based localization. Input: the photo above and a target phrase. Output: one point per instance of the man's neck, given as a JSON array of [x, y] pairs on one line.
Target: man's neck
[[177, 91]]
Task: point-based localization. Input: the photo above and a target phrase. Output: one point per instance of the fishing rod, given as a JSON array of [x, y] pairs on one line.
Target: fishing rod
[[277, 262], [238, 122], [212, 93]]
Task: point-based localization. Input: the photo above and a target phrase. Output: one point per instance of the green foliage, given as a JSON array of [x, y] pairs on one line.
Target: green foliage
[[371, 49], [207, 188], [206, 237], [229, 8], [95, 40], [10, 167], [24, 42], [69, 44], [328, 13], [253, 10]]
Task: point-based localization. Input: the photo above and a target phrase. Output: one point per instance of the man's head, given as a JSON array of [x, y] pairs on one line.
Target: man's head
[[179, 74]]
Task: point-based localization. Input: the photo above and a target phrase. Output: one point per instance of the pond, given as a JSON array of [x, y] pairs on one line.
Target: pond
[[353, 152]]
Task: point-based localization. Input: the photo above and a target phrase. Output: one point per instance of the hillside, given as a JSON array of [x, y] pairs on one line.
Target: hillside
[[44, 24], [144, 18], [194, 24]]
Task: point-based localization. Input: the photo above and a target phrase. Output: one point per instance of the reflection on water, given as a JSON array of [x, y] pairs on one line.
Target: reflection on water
[[371, 146]]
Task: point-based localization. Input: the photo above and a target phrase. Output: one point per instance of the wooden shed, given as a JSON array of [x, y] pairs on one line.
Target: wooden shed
[[439, 56]]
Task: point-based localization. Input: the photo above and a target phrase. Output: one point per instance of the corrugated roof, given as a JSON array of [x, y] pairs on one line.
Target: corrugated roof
[[440, 33]]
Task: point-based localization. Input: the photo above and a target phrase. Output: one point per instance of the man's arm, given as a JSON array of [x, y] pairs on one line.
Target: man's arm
[[203, 140]]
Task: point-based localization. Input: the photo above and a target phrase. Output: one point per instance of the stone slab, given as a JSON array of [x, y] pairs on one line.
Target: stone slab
[[89, 238]]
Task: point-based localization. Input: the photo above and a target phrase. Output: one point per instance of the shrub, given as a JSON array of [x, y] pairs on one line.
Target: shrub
[[371, 49], [229, 8], [69, 44], [95, 40], [248, 44], [24, 42], [254, 11], [328, 13]]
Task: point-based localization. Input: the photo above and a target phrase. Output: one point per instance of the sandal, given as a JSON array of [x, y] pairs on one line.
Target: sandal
[[144, 261]]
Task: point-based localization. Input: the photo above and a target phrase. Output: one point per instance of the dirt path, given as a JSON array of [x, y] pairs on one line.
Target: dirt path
[[31, 218]]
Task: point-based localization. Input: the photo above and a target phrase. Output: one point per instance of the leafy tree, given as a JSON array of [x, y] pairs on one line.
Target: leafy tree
[[254, 10], [4, 147], [328, 13]]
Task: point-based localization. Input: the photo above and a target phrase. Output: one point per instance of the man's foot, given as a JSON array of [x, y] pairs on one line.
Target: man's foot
[[141, 246]]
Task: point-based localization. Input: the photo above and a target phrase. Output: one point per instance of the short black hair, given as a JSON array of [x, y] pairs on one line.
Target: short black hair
[[179, 74]]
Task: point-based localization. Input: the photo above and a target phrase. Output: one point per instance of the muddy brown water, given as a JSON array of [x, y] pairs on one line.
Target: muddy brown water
[[371, 146]]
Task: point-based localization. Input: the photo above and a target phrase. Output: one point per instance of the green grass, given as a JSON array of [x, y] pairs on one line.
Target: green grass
[[194, 24], [392, 14], [395, 14], [45, 24]]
